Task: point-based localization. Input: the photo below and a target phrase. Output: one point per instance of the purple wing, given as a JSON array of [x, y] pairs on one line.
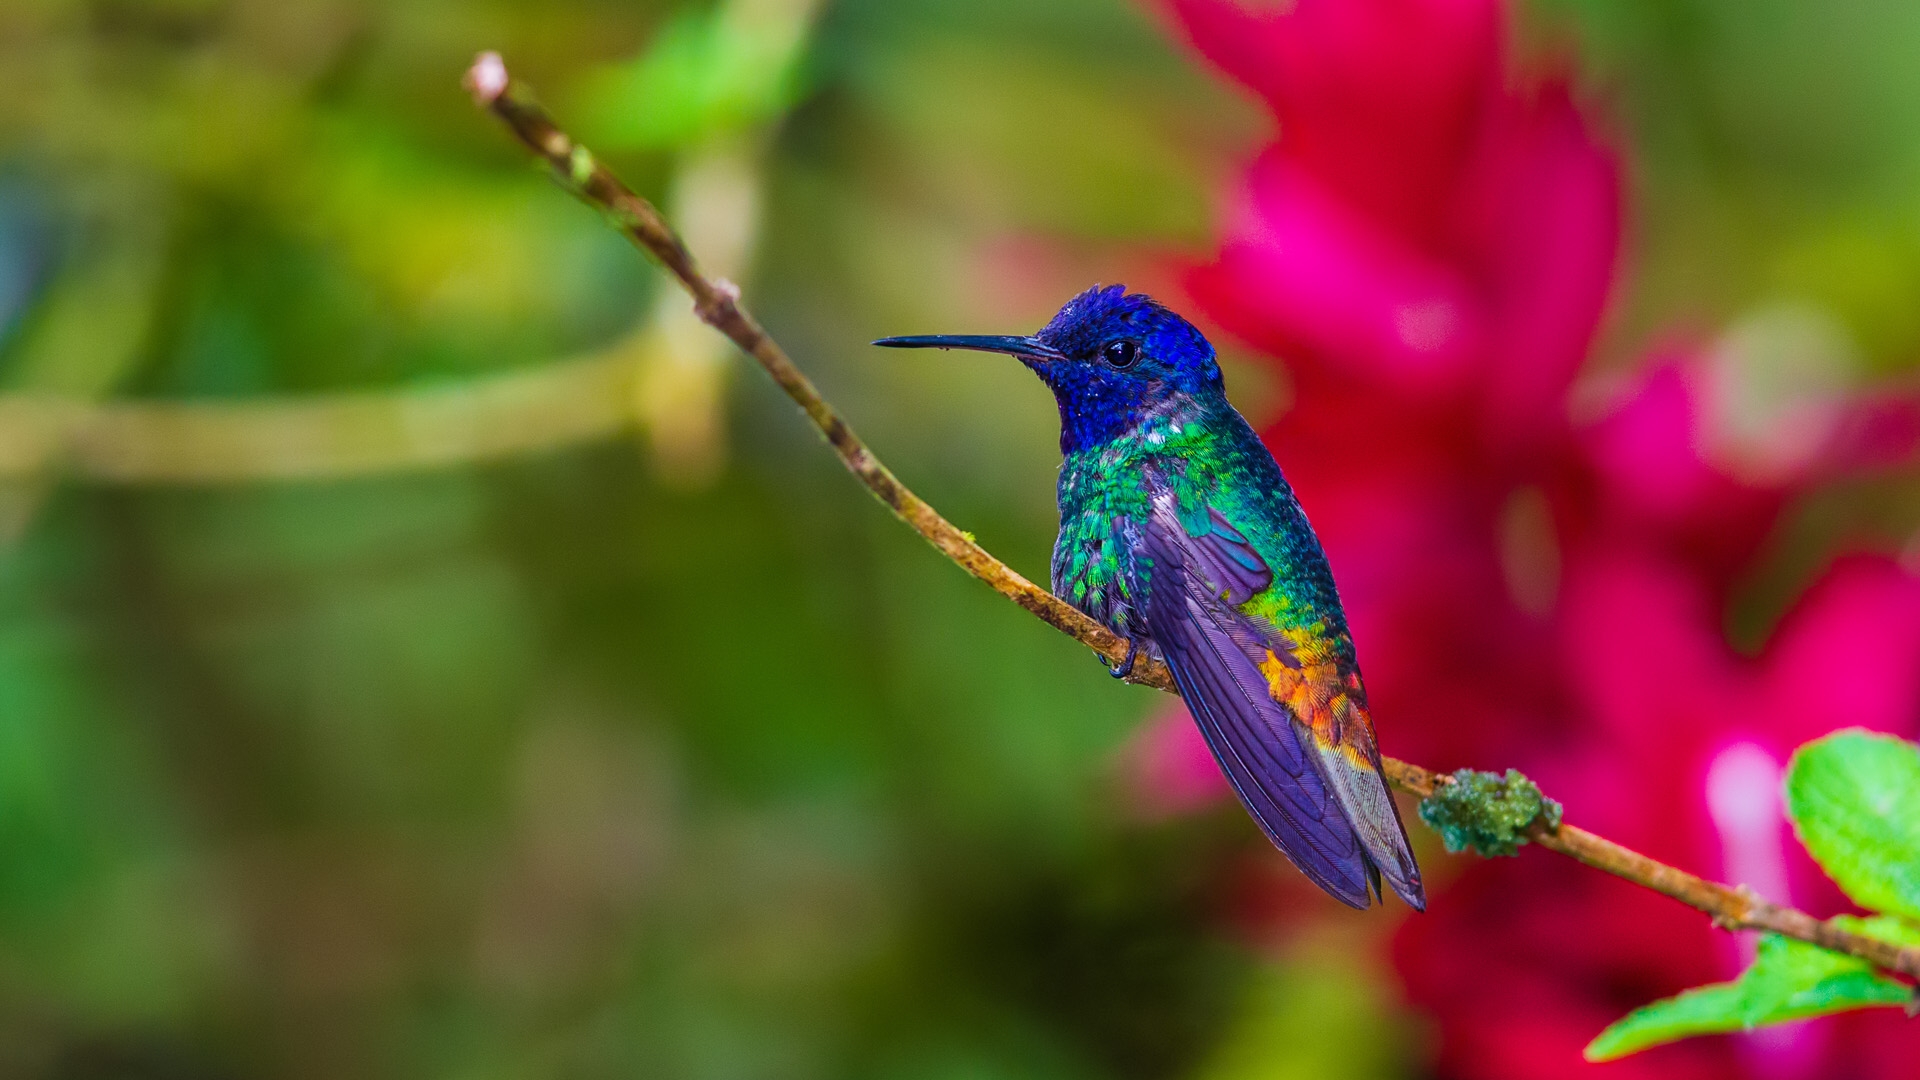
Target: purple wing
[[1265, 756], [1317, 794]]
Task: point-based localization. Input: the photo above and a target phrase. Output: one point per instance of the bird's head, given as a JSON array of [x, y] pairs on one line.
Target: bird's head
[[1110, 357]]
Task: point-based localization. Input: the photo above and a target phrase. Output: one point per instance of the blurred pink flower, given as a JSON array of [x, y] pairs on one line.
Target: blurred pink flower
[[1429, 245], [1168, 769], [1655, 470], [1423, 229], [1879, 429]]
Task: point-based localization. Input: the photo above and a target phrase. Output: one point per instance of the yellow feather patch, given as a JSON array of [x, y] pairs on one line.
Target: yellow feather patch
[[1328, 700]]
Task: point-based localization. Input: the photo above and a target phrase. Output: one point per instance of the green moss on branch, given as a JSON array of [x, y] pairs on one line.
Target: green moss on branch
[[1487, 812]]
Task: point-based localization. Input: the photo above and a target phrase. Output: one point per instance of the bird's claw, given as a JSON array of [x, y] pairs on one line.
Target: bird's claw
[[1126, 666]]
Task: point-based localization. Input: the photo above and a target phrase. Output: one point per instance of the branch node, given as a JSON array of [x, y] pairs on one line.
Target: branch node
[[1743, 917], [721, 306], [580, 165]]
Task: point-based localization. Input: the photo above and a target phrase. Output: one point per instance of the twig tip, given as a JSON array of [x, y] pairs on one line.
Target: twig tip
[[486, 80]]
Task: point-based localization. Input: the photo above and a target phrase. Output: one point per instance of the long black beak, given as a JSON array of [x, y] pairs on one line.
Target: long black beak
[[1013, 346]]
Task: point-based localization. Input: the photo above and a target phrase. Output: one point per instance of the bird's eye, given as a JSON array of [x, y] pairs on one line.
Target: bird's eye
[[1121, 354]]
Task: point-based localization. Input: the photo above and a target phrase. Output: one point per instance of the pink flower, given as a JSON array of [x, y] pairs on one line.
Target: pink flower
[[1422, 228], [1429, 246]]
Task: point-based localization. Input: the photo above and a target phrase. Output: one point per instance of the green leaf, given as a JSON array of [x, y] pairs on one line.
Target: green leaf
[[1700, 1011], [1789, 980], [1854, 798]]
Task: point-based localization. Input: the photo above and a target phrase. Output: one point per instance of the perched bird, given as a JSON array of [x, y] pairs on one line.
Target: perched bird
[[1178, 532]]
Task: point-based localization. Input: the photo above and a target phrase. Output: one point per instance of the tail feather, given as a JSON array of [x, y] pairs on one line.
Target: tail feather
[[1369, 807]]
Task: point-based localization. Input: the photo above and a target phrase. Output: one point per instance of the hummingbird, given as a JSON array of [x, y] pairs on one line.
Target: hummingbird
[[1178, 532]]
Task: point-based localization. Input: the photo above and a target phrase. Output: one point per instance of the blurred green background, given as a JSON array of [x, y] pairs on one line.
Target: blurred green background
[[352, 743]]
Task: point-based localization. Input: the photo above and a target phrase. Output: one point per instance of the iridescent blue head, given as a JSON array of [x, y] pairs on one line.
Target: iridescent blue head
[[1110, 358]]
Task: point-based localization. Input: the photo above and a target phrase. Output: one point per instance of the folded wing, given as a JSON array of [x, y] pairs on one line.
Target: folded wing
[[1288, 727]]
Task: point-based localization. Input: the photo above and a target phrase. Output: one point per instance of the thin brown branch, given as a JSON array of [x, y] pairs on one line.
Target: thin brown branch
[[718, 303]]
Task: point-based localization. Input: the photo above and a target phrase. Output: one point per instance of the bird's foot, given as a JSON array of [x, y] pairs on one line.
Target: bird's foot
[[1126, 666]]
